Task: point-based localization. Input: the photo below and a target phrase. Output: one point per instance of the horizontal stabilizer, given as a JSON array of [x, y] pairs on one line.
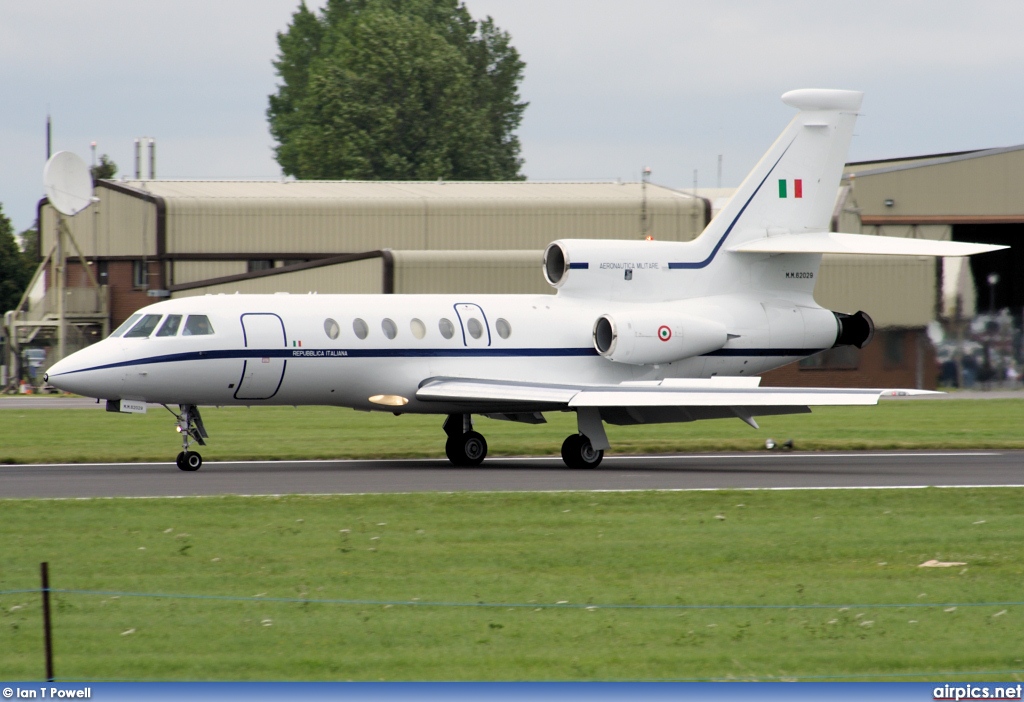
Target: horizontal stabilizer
[[836, 243]]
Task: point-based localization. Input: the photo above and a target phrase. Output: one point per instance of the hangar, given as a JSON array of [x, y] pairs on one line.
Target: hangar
[[146, 239], [968, 196]]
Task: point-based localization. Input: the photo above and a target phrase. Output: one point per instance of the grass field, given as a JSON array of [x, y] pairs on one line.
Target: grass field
[[793, 548], [39, 436]]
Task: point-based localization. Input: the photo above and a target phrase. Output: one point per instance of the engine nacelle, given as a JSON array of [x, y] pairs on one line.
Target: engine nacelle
[[647, 338]]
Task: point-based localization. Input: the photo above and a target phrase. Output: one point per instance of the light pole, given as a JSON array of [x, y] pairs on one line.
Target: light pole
[[993, 280]]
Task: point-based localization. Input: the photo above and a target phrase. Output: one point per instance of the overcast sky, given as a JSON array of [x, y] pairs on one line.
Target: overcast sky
[[612, 86]]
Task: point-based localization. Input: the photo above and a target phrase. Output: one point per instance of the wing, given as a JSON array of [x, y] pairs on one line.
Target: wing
[[671, 400]]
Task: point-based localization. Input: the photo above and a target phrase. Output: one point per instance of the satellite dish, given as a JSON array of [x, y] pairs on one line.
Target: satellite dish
[[68, 183]]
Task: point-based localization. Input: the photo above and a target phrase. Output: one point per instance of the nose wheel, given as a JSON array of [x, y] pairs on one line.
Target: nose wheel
[[465, 448], [189, 460]]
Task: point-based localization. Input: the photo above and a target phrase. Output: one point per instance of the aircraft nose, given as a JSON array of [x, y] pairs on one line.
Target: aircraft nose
[[93, 372]]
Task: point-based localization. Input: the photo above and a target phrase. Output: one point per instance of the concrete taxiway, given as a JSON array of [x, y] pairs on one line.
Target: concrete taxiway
[[681, 472]]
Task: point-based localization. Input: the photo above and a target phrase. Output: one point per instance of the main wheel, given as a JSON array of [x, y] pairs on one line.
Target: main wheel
[[467, 449], [578, 452], [474, 448], [189, 461]]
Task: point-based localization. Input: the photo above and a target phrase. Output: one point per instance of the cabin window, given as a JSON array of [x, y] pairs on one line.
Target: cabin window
[[144, 327], [390, 329], [197, 325], [331, 328], [360, 328], [504, 328], [125, 325], [170, 325], [446, 328], [475, 328], [418, 328]]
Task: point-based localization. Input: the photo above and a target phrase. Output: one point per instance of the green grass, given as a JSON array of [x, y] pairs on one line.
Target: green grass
[[324, 432], [730, 547]]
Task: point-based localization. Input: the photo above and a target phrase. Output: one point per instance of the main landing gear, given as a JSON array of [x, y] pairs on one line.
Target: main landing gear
[[465, 447], [190, 426]]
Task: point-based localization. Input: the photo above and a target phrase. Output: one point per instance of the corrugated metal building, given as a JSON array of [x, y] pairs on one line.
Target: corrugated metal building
[[188, 237]]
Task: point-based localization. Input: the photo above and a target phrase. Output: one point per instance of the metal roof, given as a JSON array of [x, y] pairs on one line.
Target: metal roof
[[905, 164], [351, 190]]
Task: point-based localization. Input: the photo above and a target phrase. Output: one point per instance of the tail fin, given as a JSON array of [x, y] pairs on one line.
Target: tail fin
[[792, 189]]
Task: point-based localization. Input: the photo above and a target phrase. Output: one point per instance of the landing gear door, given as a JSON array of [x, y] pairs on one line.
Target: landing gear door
[[263, 370], [476, 333]]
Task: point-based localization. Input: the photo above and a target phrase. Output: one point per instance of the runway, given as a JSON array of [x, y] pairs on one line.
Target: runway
[[663, 472]]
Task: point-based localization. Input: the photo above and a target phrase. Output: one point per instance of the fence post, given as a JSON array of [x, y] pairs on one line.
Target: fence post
[[45, 572]]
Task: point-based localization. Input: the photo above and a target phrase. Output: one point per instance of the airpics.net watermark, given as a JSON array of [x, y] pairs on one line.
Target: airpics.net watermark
[[967, 693], [47, 693]]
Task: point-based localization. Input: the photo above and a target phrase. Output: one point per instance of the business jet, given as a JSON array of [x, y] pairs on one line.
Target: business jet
[[638, 332]]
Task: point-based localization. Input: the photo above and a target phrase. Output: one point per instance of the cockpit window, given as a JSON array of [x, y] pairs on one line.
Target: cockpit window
[[197, 325], [144, 327], [125, 325], [170, 326]]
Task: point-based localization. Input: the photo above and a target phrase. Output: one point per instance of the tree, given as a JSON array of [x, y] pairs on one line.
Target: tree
[[105, 169], [15, 269], [396, 90], [30, 246]]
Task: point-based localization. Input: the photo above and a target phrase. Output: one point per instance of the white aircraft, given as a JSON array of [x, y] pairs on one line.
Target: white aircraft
[[639, 331]]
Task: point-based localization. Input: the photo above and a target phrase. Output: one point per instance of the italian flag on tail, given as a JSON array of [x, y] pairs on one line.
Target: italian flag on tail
[[798, 188]]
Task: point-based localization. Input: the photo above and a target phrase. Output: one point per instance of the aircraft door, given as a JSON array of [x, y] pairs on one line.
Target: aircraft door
[[476, 333], [263, 370]]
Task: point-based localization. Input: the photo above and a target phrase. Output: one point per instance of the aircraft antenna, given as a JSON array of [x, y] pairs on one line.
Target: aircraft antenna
[[645, 176]]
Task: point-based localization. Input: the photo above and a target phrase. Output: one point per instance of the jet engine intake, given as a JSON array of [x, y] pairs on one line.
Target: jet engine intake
[[556, 264], [650, 338], [854, 329]]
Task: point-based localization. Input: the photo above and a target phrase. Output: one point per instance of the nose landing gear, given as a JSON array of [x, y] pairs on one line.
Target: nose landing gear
[[465, 448], [190, 426]]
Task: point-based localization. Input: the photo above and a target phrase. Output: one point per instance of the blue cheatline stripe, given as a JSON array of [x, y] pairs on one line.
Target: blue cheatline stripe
[[221, 354], [579, 265], [675, 265], [535, 605], [240, 354]]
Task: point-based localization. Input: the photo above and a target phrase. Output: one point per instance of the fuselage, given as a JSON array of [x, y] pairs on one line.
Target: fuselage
[[342, 350]]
